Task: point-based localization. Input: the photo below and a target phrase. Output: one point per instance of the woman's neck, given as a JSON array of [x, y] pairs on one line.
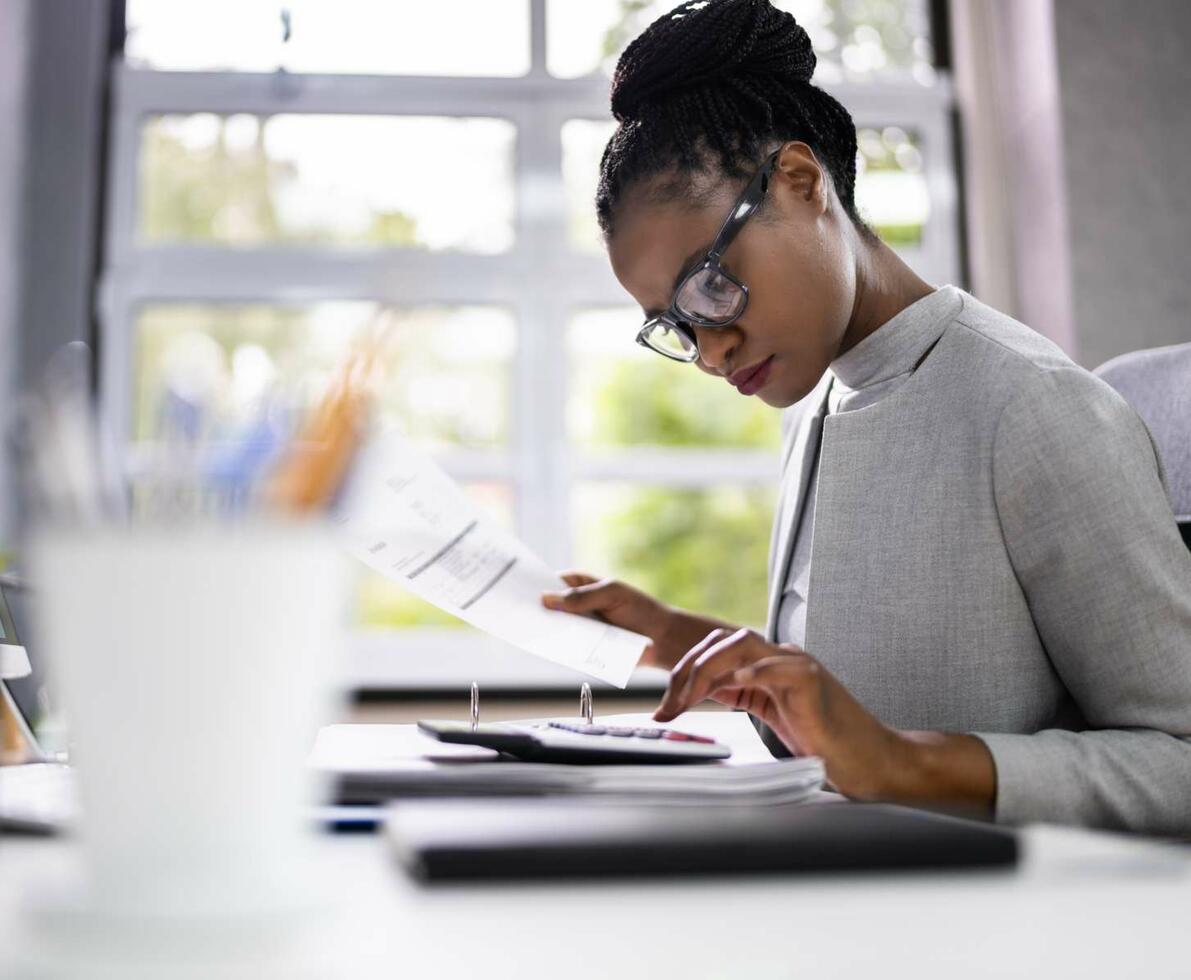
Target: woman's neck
[[885, 286]]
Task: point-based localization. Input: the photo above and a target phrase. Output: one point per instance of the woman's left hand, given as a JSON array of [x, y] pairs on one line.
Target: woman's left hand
[[808, 709]]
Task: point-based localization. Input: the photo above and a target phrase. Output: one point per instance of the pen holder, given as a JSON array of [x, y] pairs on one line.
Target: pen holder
[[195, 668]]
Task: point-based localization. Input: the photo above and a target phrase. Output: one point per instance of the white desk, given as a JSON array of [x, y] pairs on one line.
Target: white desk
[[1081, 905]]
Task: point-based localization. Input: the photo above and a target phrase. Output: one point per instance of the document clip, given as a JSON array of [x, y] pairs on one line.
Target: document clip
[[586, 711], [475, 706]]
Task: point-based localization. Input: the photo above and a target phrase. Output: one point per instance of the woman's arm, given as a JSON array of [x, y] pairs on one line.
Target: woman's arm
[[814, 714], [808, 708], [671, 631], [1090, 533]]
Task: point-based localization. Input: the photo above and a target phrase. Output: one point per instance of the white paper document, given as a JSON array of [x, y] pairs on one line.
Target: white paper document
[[406, 518]]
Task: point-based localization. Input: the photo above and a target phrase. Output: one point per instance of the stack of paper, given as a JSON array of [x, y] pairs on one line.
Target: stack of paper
[[374, 763], [780, 781]]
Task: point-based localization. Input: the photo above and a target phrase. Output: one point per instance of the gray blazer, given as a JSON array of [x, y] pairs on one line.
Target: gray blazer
[[994, 552]]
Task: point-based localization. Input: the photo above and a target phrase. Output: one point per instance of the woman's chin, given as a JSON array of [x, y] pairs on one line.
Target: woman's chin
[[782, 392]]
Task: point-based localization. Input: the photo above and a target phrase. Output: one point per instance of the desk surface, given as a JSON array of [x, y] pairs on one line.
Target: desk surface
[[1080, 905]]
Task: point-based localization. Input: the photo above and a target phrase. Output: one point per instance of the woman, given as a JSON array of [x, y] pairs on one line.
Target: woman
[[979, 598]]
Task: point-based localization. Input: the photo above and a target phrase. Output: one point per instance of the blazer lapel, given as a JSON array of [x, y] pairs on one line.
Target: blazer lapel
[[796, 471]]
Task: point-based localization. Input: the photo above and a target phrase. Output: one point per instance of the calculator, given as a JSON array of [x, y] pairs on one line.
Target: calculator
[[580, 743]]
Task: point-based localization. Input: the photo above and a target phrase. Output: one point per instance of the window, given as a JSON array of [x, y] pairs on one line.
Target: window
[[282, 172]]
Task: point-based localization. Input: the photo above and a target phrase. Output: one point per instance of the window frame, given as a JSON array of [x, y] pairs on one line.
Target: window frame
[[542, 279]]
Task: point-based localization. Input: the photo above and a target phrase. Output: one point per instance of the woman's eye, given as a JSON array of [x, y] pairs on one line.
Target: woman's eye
[[715, 284]]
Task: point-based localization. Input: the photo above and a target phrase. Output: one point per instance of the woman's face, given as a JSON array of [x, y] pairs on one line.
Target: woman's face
[[794, 255]]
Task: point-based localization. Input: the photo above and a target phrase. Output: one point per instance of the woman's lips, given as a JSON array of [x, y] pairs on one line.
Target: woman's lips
[[751, 380]]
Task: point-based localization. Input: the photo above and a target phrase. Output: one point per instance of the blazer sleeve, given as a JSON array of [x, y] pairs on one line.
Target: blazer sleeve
[[1088, 528]]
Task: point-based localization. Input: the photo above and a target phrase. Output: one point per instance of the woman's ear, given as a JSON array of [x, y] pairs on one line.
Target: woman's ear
[[800, 172]]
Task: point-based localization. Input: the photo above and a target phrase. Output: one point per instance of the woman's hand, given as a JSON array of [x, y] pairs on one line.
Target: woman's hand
[[814, 714], [671, 632]]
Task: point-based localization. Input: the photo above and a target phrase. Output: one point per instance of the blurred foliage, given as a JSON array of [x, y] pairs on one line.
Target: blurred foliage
[[633, 17], [893, 30], [859, 36], [381, 604], [701, 549], [657, 402], [219, 191], [438, 395]]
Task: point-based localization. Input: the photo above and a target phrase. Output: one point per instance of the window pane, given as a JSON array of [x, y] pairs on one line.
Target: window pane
[[382, 37], [247, 180], [583, 142], [703, 550], [891, 190], [381, 603], [853, 39], [622, 394], [225, 366]]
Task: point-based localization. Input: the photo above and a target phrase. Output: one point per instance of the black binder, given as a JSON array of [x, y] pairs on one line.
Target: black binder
[[498, 839]]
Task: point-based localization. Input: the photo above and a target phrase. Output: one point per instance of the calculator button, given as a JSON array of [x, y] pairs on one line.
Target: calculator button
[[676, 736], [621, 732], [591, 730], [648, 733]]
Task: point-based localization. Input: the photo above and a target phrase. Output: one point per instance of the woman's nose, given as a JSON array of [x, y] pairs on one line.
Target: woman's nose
[[715, 344]]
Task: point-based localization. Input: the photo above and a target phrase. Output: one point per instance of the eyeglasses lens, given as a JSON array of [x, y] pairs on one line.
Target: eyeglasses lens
[[710, 297], [669, 340]]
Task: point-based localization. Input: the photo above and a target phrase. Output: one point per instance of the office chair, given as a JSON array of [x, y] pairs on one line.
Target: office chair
[[1157, 383]]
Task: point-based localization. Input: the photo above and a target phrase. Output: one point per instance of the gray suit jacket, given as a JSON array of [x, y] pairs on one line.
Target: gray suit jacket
[[994, 552]]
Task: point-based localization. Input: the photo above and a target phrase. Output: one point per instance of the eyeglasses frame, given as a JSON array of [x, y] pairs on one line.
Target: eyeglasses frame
[[745, 207]]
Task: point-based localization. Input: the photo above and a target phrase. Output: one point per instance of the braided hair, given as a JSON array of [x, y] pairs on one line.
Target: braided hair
[[719, 83]]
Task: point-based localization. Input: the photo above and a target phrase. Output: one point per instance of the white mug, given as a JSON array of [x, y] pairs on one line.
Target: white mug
[[195, 666]]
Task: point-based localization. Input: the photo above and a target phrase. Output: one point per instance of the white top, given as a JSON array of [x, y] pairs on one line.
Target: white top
[[862, 376]]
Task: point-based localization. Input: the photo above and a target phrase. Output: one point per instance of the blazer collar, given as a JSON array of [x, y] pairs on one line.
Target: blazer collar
[[895, 347]]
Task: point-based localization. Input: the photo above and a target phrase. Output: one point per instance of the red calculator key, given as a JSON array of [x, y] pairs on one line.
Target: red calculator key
[[676, 736]]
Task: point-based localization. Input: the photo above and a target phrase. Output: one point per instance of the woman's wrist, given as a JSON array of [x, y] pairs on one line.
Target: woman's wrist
[[936, 768], [681, 630]]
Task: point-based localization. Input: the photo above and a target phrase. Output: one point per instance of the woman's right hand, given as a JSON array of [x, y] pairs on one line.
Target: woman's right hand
[[671, 632]]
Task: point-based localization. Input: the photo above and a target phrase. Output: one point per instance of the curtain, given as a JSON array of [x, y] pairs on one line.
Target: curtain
[[1007, 88]]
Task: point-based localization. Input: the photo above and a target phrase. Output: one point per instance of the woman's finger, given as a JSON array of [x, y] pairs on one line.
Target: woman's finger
[[766, 689], [788, 680], [588, 597], [574, 578], [680, 670], [702, 666], [718, 662]]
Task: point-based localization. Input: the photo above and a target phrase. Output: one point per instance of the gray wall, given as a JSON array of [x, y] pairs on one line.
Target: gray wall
[[53, 57], [1125, 80], [13, 44], [68, 42]]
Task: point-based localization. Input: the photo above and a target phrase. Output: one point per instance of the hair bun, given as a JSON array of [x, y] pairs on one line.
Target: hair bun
[[706, 41]]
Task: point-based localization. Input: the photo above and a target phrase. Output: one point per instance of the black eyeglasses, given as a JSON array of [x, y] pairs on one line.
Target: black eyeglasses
[[708, 296]]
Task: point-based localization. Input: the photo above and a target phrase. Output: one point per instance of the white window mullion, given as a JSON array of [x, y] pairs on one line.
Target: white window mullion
[[537, 39], [539, 382]]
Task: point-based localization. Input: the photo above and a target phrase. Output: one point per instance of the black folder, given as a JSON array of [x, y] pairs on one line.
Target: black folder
[[498, 839]]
